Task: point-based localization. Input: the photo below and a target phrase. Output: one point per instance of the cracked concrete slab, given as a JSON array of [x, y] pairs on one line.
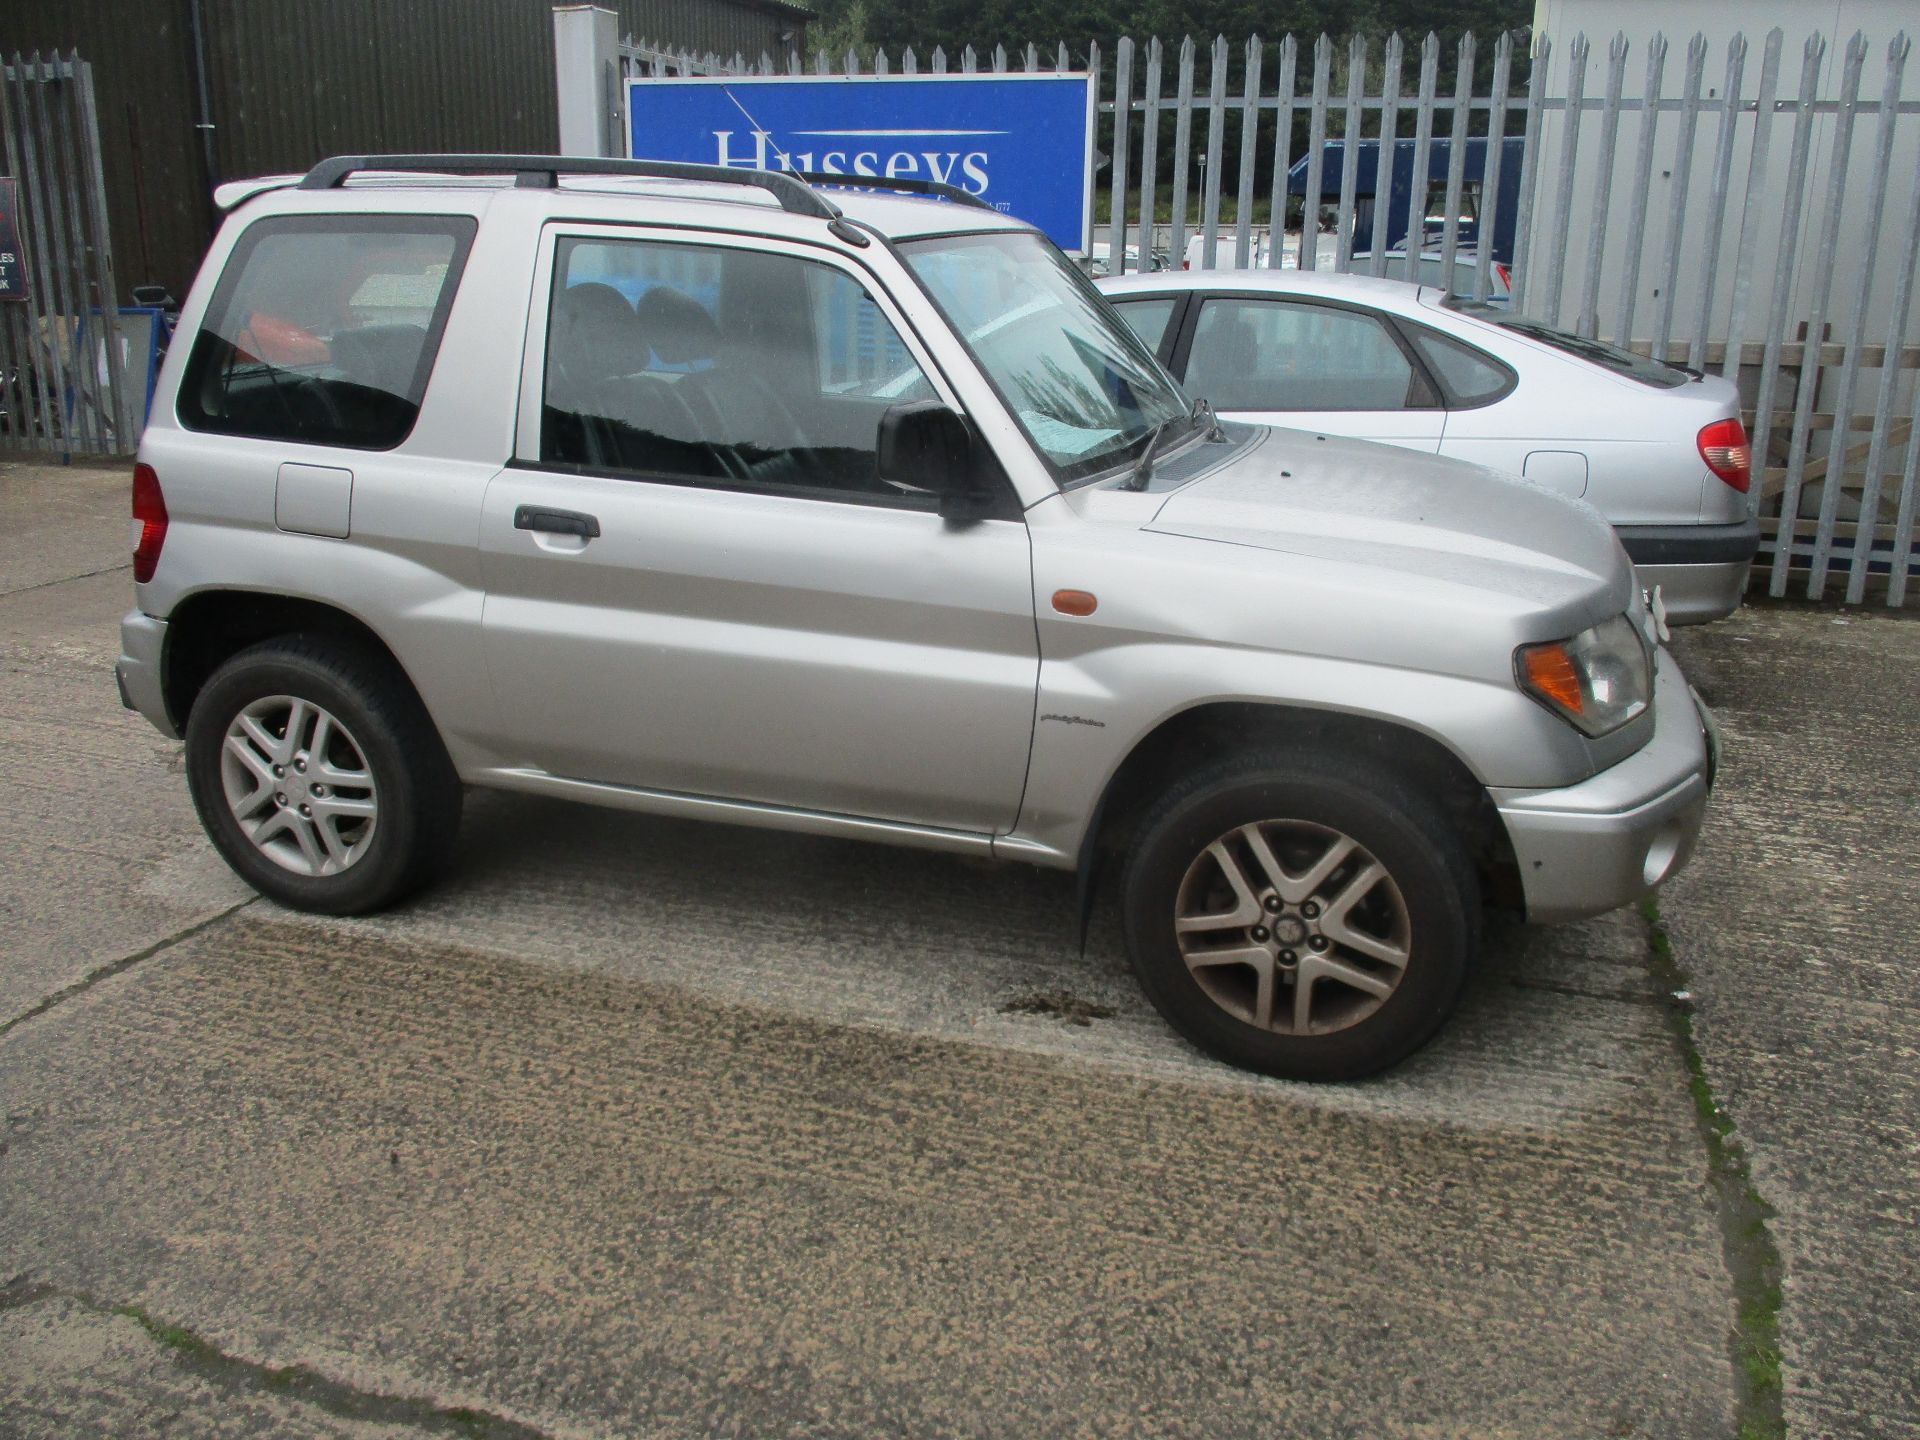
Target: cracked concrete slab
[[53, 516], [586, 1199], [74, 1369], [1797, 924], [99, 850]]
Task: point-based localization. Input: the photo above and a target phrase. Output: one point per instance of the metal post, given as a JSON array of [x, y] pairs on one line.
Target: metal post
[[1587, 320], [1316, 156], [1350, 152], [1790, 224], [586, 45], [1214, 162], [1870, 252], [1422, 153], [1149, 152], [1810, 361], [1282, 153], [1383, 157], [1249, 143], [1182, 147], [1457, 160], [1122, 125]]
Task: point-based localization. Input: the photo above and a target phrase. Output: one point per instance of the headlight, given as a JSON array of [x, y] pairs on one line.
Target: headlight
[[1599, 680]]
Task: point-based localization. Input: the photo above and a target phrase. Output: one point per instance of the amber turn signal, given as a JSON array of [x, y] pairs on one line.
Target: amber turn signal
[[1074, 602], [1549, 671]]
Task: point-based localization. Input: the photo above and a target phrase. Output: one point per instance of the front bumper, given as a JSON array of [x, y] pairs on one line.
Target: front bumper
[[1607, 841], [143, 640]]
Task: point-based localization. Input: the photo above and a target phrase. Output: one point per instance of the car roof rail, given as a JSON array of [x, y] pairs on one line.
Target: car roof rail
[[543, 172], [904, 183]]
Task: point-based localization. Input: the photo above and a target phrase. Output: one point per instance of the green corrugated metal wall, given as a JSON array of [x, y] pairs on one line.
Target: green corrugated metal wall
[[291, 81]]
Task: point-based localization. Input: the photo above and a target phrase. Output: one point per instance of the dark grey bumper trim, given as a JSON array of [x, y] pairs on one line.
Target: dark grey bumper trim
[[1691, 544]]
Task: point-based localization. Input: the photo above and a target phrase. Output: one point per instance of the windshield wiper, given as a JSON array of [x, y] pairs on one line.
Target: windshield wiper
[[1143, 467], [1203, 412]]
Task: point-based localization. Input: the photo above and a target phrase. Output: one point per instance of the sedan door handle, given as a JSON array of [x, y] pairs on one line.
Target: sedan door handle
[[556, 522]]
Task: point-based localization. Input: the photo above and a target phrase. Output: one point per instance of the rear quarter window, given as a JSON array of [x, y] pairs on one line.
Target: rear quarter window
[[323, 329], [1469, 377], [1595, 352]]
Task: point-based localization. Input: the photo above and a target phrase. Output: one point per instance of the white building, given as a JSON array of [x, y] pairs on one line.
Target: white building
[[1760, 205]]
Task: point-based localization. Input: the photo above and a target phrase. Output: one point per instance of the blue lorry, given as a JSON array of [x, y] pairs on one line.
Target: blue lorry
[[1367, 195]]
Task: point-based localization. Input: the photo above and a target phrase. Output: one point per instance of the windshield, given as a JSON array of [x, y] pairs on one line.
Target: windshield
[[1085, 389], [1597, 352]]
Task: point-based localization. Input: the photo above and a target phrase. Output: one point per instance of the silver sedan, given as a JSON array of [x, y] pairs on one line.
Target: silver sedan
[[1659, 450]]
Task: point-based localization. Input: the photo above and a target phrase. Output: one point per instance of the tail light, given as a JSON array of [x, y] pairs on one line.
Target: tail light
[[1506, 275], [1723, 445], [149, 522]]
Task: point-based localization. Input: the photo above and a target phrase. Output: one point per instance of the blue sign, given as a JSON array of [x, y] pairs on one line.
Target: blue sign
[[13, 264], [1022, 143]]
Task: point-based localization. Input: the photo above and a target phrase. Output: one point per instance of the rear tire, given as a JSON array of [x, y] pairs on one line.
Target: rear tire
[[319, 776], [1272, 873]]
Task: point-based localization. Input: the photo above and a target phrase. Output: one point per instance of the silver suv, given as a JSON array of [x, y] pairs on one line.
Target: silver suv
[[717, 493]]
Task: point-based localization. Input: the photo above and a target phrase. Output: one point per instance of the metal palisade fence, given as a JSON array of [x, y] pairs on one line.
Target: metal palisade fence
[[62, 382], [1747, 208]]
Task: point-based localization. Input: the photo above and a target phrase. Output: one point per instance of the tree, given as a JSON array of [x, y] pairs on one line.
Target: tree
[[895, 24]]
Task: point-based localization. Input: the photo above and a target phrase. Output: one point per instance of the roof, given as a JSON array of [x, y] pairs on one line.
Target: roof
[[1374, 290], [869, 200]]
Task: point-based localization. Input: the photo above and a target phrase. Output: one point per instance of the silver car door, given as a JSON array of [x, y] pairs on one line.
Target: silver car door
[[694, 580]]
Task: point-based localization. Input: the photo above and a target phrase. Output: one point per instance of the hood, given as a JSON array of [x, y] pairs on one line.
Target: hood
[[1356, 503]]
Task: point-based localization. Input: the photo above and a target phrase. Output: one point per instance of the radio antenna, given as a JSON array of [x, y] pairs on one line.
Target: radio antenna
[[786, 160]]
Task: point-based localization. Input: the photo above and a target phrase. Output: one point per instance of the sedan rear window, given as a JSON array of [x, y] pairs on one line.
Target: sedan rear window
[[1596, 352]]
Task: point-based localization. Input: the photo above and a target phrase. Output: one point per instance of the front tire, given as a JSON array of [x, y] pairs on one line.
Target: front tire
[[1308, 916], [319, 777]]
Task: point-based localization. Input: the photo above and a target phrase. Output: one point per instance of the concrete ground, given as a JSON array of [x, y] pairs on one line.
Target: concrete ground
[[645, 1128]]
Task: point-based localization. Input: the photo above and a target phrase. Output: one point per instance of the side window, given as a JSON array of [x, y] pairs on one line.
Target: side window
[[1470, 377], [323, 329], [1279, 355], [859, 353], [720, 366], [1147, 319]]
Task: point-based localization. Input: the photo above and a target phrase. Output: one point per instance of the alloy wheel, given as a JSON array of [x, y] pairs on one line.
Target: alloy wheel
[[299, 785], [1293, 927]]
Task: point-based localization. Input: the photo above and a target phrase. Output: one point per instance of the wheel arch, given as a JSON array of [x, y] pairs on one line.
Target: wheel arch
[[1214, 729], [209, 627]]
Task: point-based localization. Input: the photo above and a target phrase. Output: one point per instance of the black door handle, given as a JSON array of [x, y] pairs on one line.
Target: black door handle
[[557, 522]]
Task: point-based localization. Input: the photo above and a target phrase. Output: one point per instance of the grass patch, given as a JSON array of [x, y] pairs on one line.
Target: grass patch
[[1752, 1259], [314, 1389], [172, 1336]]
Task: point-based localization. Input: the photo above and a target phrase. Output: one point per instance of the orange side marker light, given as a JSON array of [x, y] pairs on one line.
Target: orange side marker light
[[1074, 602]]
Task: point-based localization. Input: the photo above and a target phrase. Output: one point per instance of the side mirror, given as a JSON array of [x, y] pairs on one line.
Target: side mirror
[[926, 445]]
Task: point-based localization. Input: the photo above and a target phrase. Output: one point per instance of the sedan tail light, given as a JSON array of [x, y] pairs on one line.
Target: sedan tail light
[[149, 522], [1723, 445]]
